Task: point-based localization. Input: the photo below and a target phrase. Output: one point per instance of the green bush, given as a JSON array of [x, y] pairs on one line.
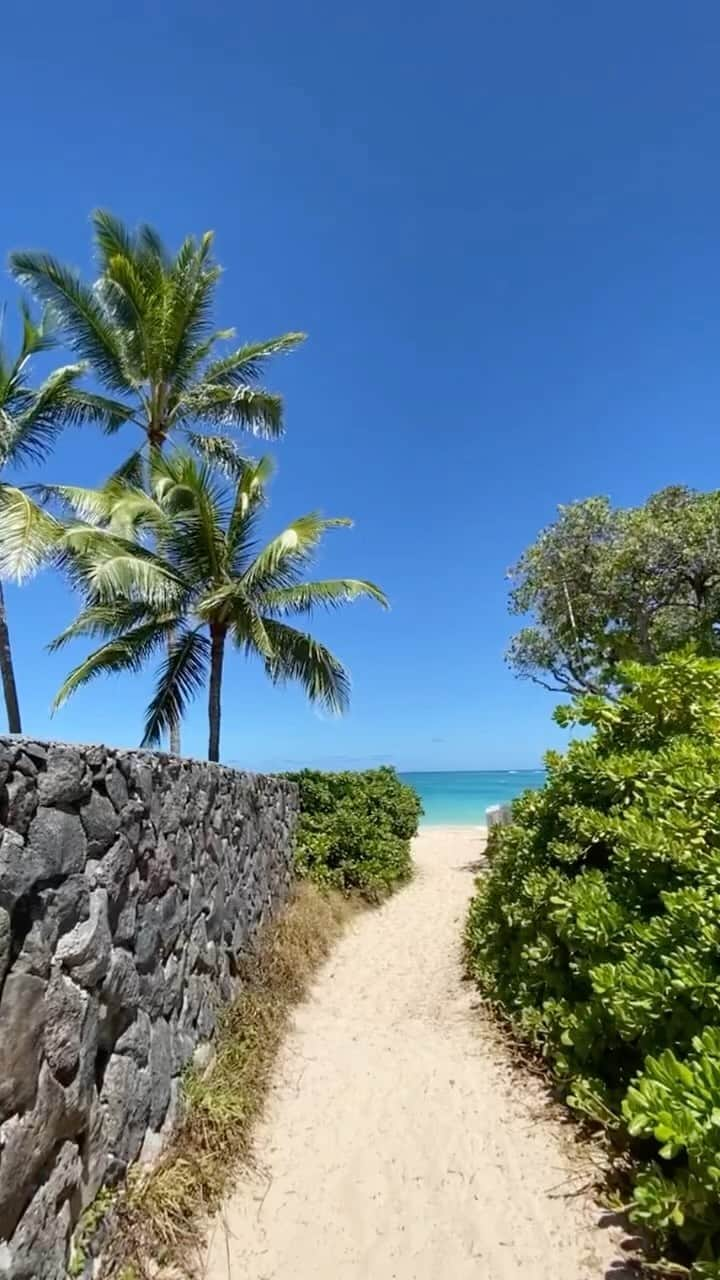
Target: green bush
[[597, 928], [355, 829]]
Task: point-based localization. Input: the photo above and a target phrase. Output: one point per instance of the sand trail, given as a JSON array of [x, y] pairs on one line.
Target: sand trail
[[397, 1143]]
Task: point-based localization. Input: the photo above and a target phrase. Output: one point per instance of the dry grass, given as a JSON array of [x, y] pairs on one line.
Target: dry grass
[[157, 1221]]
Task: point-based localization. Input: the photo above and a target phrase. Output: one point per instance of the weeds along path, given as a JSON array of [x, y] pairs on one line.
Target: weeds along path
[[397, 1143]]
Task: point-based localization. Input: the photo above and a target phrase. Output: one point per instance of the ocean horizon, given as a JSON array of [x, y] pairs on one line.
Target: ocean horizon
[[461, 797]]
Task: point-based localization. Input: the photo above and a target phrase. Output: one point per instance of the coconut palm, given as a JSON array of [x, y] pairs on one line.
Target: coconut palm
[[146, 328], [181, 564], [30, 421]]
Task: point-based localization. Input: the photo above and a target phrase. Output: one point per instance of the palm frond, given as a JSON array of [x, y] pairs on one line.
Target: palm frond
[[79, 314], [128, 652], [191, 284], [245, 408], [298, 657], [197, 499], [59, 403], [306, 597], [108, 620], [283, 558], [245, 365], [221, 452], [123, 296], [38, 335], [29, 535], [82, 407], [151, 245], [130, 472], [250, 495], [180, 678], [188, 364], [92, 506], [112, 237], [107, 567], [249, 632]]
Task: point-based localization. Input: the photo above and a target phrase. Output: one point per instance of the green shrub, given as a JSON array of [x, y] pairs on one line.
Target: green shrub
[[597, 928], [355, 829]]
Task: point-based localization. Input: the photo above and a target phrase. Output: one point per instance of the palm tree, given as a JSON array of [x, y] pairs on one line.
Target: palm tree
[[146, 328], [30, 421], [181, 564]]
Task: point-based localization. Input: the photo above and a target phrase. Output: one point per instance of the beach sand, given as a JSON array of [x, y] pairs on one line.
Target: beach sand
[[399, 1142]]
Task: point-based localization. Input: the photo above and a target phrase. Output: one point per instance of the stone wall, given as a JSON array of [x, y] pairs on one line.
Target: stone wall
[[130, 883]]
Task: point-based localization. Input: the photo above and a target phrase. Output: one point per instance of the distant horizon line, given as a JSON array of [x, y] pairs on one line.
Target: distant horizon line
[[536, 768]]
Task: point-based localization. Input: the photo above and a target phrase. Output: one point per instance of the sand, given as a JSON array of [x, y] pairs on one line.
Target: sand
[[398, 1141]]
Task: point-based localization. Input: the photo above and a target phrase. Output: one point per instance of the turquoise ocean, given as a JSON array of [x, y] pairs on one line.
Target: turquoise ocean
[[460, 799]]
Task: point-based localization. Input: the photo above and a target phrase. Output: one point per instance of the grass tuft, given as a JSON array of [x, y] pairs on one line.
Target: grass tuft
[[159, 1217]]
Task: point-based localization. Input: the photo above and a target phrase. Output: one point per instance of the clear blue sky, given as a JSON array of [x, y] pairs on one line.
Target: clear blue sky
[[500, 225]]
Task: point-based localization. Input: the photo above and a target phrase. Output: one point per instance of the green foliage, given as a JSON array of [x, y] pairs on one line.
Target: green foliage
[[89, 1224], [597, 928], [181, 569], [604, 585], [146, 328], [355, 829], [31, 419]]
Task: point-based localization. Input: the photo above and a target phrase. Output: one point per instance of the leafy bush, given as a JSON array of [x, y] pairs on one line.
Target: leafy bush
[[597, 928], [355, 829]]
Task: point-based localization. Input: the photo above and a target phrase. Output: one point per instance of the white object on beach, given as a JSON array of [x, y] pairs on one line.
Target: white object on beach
[[498, 815]]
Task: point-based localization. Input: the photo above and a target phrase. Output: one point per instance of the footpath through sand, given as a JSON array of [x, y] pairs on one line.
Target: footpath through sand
[[397, 1143]]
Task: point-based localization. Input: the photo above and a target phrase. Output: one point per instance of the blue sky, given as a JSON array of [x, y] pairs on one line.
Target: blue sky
[[500, 225]]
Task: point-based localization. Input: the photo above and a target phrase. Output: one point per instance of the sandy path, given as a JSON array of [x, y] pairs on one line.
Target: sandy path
[[397, 1145]]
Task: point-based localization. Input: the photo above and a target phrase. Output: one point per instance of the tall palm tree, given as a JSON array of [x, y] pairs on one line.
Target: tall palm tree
[[146, 328], [181, 563], [30, 421]]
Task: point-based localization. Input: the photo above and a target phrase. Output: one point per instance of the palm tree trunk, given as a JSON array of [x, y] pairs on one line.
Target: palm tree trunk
[[217, 654], [7, 671], [157, 441], [175, 746]]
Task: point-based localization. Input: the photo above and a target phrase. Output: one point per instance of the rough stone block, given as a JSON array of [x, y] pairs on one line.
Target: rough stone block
[[85, 951], [116, 866], [100, 822], [37, 950], [94, 1154], [116, 787], [65, 1005], [20, 868], [5, 943], [27, 1143], [39, 1245], [57, 840], [69, 904], [135, 1040], [119, 996], [160, 1072], [66, 780], [22, 1021], [22, 801], [125, 1100]]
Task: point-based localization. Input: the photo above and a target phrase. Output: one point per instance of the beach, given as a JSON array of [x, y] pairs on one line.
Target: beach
[[399, 1141]]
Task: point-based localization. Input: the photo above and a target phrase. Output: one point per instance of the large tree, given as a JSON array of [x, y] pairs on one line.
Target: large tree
[[146, 327], [183, 564], [603, 584], [31, 418]]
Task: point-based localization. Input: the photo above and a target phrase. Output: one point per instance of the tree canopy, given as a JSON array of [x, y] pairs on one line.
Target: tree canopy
[[146, 329], [184, 567], [604, 584]]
